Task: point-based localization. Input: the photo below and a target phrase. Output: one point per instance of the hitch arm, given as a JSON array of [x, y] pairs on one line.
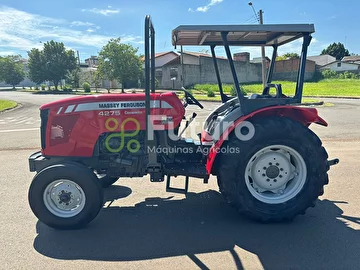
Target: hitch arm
[[333, 162]]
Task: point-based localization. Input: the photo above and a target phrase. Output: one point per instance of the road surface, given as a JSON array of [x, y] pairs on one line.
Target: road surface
[[143, 227]]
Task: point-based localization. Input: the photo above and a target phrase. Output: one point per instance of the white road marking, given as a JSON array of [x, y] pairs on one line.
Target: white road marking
[[21, 119], [19, 129]]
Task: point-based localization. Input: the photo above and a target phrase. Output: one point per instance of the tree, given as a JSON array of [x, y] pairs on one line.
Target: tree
[[287, 56], [73, 77], [336, 50], [118, 61], [53, 63], [96, 79], [36, 66], [11, 70]]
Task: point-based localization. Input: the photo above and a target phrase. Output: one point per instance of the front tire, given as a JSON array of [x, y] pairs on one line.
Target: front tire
[[279, 172], [65, 196]]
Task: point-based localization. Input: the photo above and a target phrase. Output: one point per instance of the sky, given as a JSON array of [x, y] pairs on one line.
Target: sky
[[88, 25]]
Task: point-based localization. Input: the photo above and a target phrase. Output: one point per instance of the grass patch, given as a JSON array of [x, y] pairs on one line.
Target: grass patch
[[8, 89], [7, 104], [325, 88]]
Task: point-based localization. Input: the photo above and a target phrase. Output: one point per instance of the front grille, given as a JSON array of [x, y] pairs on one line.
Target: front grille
[[44, 115]]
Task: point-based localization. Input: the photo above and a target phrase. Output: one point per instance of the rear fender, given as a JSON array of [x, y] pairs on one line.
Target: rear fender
[[305, 116]]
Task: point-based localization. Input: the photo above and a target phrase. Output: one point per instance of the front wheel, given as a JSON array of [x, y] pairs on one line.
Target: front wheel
[[277, 174], [65, 196]]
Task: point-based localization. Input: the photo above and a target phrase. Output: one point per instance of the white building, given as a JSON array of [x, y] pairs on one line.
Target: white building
[[340, 66]]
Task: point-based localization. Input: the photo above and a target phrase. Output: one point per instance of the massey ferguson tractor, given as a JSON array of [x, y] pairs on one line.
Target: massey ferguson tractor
[[269, 165]]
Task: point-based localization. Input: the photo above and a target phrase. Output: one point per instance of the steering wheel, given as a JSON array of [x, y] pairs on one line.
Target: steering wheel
[[190, 99]]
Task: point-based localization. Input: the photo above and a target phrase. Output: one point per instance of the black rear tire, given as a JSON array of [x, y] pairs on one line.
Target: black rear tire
[[270, 131], [84, 183]]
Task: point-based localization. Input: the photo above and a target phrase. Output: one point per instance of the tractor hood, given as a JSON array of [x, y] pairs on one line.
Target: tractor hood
[[116, 101], [78, 122]]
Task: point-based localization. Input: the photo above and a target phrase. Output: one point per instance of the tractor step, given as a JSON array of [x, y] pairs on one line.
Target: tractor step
[[177, 190], [186, 169]]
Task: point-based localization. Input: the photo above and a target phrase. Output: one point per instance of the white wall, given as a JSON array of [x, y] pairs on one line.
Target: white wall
[[162, 60], [343, 66], [191, 59]]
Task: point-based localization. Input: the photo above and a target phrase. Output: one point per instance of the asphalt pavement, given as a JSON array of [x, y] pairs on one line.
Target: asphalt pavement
[[143, 227]]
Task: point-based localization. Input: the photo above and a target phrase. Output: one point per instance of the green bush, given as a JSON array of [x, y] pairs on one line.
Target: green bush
[[317, 76], [234, 93], [347, 75], [204, 88], [86, 87], [329, 74], [36, 87], [210, 93], [43, 87], [67, 88]]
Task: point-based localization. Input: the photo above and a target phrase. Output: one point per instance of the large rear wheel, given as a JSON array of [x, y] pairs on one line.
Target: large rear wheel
[[276, 174]]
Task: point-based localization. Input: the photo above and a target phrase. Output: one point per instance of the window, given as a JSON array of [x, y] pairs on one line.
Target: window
[[173, 72], [338, 64]]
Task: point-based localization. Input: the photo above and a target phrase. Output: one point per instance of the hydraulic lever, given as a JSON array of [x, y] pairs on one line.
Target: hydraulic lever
[[188, 122]]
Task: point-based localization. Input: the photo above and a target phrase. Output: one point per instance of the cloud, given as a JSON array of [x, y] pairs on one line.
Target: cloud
[[79, 23], [31, 30], [105, 12], [207, 7], [6, 53]]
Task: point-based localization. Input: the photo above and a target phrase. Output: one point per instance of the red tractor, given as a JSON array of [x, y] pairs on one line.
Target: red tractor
[[268, 163]]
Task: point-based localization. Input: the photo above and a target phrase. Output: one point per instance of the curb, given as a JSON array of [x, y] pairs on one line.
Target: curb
[[17, 106], [345, 97]]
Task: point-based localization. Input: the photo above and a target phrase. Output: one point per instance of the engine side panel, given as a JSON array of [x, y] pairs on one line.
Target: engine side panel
[[74, 125]]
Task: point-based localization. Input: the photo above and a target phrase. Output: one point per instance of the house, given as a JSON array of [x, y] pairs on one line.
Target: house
[[355, 59], [162, 58], [328, 62], [340, 66], [322, 60], [258, 60], [93, 61]]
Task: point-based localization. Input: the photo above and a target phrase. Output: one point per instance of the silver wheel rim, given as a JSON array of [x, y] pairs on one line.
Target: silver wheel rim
[[64, 198], [275, 174]]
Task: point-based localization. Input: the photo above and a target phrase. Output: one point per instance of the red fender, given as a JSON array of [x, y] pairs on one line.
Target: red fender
[[306, 116]]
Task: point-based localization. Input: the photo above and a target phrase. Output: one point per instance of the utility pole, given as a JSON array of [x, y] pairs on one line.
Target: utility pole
[[182, 66], [78, 56], [263, 53], [263, 63]]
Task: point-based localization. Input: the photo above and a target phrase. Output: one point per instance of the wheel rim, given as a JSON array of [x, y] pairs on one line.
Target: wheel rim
[[275, 174], [64, 198]]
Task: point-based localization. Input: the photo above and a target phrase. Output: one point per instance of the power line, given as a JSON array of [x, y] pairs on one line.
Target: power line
[[256, 14]]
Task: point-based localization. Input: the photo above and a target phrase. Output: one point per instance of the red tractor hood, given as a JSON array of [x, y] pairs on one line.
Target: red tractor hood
[[73, 125], [168, 97]]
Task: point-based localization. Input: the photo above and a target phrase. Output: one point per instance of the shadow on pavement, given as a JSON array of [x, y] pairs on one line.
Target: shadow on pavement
[[201, 223]]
